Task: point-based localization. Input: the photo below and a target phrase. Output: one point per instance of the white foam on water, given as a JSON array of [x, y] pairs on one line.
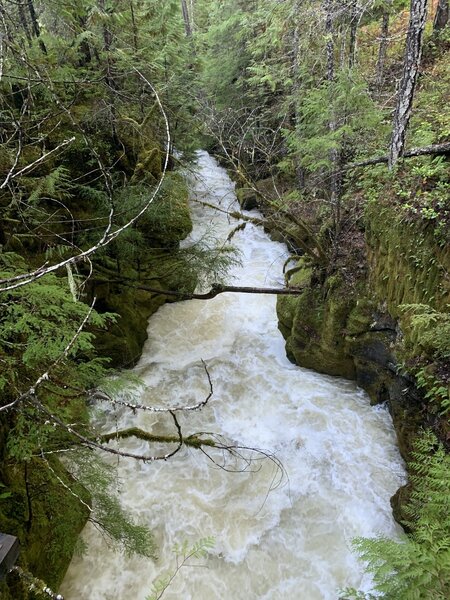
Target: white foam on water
[[339, 453]]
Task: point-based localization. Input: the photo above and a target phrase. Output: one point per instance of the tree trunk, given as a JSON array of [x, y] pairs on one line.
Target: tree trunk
[[84, 48], [134, 26], [411, 66], [191, 12], [109, 79], [35, 24], [334, 153], [441, 16], [382, 51], [299, 170], [353, 30], [329, 31], [23, 22], [186, 19], [34, 21]]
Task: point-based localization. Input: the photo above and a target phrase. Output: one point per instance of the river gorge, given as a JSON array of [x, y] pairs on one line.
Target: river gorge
[[279, 533]]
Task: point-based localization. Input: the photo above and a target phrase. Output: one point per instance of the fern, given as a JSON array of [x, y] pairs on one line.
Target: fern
[[56, 184], [430, 329], [37, 323], [418, 567]]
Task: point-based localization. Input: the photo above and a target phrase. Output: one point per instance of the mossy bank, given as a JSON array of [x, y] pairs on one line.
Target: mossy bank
[[380, 325], [38, 498]]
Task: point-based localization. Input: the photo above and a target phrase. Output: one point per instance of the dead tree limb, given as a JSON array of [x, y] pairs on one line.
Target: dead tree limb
[[434, 150], [89, 442], [100, 395]]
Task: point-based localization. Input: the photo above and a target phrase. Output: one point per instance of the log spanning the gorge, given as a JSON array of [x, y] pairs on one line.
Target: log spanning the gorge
[[217, 289]]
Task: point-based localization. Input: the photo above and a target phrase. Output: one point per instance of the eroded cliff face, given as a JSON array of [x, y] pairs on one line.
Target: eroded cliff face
[[366, 331]]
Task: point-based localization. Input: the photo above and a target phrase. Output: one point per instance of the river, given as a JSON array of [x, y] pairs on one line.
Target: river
[[288, 539]]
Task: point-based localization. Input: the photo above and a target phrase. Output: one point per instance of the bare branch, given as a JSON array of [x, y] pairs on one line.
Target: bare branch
[[104, 397], [36, 584], [194, 441], [11, 175], [98, 445], [247, 457], [64, 485], [434, 150]]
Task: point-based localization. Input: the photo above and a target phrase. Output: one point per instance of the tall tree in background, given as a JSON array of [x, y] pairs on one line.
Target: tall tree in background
[[329, 9], [411, 64], [382, 51], [186, 18], [441, 16], [354, 18]]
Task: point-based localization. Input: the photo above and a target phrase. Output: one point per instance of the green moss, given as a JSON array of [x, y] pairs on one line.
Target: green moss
[[407, 266], [300, 275], [248, 199], [361, 317], [148, 167], [286, 306], [122, 342], [168, 219], [45, 516], [317, 340]]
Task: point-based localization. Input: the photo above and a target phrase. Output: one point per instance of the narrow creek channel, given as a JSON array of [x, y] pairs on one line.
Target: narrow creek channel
[[339, 453]]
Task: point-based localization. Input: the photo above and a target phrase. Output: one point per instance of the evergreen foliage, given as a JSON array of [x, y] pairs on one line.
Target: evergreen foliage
[[82, 138], [37, 324], [100, 480]]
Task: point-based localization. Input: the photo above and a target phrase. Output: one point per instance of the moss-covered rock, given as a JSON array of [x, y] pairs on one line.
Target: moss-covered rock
[[168, 218], [247, 197], [316, 328], [148, 166], [46, 517], [407, 265]]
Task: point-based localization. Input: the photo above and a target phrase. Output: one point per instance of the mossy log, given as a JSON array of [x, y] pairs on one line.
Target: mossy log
[[193, 441]]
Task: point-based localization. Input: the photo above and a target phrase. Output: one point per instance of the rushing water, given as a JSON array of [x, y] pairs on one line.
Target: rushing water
[[339, 453]]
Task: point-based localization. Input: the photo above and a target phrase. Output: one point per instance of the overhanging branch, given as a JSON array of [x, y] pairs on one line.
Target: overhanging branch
[[434, 150]]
